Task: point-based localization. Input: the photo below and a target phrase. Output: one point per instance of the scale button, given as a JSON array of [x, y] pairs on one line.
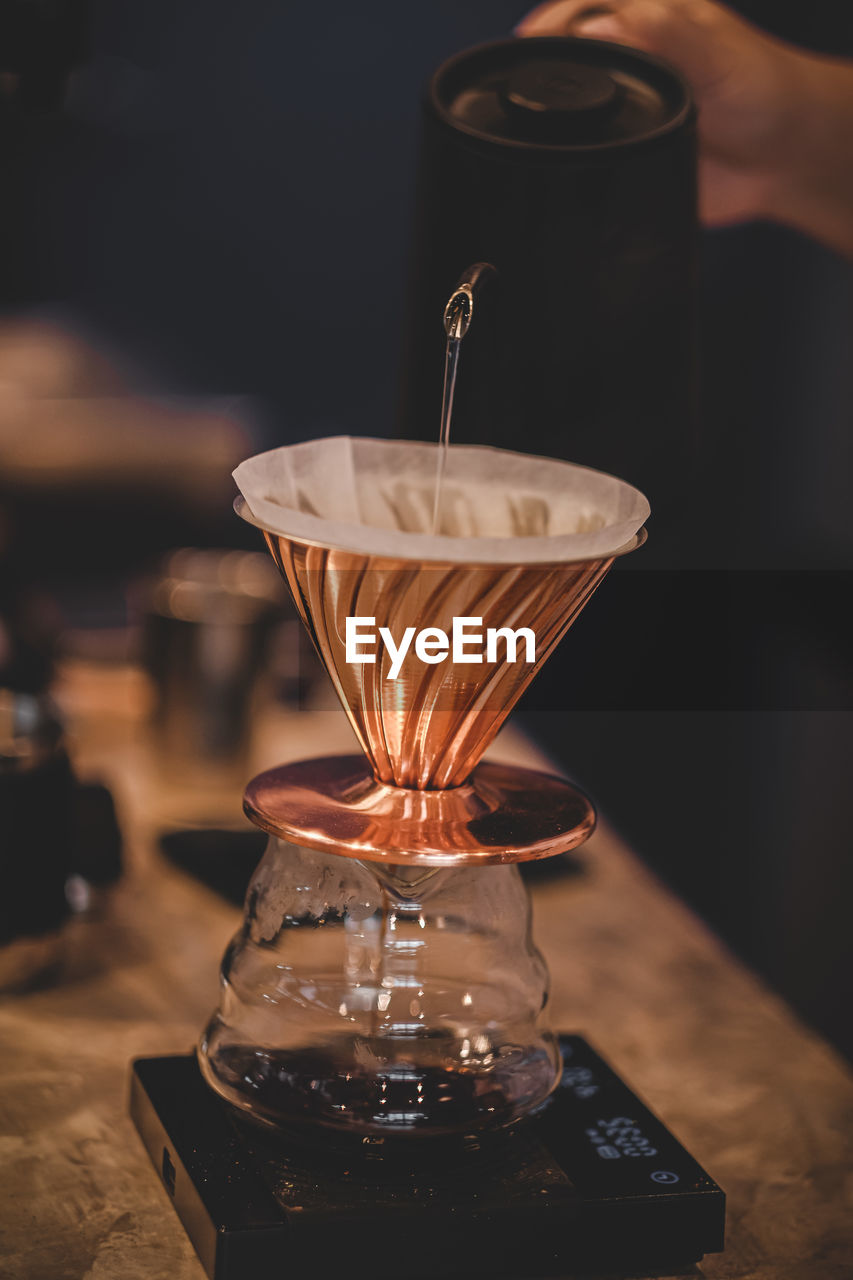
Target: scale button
[[664, 1175]]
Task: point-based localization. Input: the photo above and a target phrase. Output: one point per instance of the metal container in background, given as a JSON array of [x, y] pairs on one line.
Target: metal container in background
[[569, 165], [206, 630]]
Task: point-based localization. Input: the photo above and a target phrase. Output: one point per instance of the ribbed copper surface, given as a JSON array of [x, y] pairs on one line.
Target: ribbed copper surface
[[503, 813], [429, 727]]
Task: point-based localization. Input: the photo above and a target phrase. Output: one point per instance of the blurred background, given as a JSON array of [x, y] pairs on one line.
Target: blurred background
[[207, 219]]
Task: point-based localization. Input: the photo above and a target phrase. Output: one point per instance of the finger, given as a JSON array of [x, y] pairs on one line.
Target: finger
[[608, 26], [558, 16]]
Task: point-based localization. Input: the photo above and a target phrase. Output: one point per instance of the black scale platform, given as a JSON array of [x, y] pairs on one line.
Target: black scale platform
[[594, 1182]]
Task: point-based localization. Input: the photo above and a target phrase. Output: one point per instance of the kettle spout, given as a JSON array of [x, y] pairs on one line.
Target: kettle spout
[[459, 311]]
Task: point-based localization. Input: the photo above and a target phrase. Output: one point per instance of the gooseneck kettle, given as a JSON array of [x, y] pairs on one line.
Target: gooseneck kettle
[[570, 166]]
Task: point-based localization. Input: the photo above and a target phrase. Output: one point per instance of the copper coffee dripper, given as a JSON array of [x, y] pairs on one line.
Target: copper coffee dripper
[[421, 794]]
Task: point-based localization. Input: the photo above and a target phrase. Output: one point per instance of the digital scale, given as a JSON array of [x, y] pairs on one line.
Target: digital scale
[[593, 1182]]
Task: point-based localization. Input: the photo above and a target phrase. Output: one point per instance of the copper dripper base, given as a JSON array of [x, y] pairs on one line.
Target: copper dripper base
[[503, 813]]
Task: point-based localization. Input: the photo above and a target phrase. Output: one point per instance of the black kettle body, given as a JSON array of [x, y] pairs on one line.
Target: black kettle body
[[569, 165]]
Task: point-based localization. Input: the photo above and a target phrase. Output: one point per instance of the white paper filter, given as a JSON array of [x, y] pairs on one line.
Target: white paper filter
[[497, 507]]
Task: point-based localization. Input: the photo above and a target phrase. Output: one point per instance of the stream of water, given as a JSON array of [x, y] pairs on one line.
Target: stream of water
[[451, 360]]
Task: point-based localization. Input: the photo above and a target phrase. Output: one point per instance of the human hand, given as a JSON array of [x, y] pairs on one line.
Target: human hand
[[773, 120]]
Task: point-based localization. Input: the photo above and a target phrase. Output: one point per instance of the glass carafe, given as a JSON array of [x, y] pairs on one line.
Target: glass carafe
[[373, 999]]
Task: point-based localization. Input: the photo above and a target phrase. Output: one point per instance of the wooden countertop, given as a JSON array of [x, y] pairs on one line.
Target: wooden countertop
[[760, 1100]]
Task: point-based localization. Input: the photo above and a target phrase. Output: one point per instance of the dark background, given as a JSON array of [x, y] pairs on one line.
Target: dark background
[[220, 196]]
